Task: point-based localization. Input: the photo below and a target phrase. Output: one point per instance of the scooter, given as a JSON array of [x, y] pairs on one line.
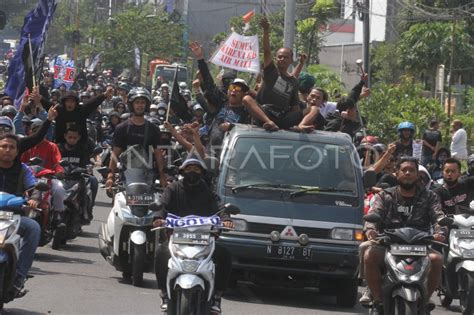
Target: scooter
[[125, 240], [190, 281], [407, 263], [458, 272], [10, 241]]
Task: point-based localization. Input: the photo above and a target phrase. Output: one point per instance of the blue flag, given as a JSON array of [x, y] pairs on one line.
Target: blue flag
[[35, 25]]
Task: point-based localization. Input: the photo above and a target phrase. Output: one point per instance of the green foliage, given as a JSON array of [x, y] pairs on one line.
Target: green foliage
[[391, 104], [383, 66], [469, 100], [156, 36], [326, 79]]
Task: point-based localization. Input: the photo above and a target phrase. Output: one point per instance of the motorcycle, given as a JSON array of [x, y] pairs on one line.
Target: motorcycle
[[78, 201], [125, 240], [404, 285], [458, 272], [45, 217], [10, 241], [190, 281]]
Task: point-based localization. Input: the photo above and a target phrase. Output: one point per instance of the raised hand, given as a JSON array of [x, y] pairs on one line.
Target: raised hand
[[196, 49]]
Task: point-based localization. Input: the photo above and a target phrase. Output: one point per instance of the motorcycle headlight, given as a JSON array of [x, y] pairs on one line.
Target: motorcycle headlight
[[6, 233], [464, 247], [401, 276]]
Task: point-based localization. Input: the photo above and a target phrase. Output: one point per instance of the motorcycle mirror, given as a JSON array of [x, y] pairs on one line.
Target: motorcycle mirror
[[231, 209], [42, 186], [97, 150], [445, 221], [369, 179], [372, 218], [63, 163], [35, 161]]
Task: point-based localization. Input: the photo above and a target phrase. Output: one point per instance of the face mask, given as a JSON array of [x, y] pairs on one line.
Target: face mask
[[161, 112], [191, 178]]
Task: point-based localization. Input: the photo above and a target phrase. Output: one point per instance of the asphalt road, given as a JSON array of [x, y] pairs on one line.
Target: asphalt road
[[77, 280]]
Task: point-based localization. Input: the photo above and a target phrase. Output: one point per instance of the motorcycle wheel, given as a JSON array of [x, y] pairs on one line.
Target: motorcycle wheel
[[187, 301], [3, 268], [403, 307], [466, 294], [138, 265], [58, 238]]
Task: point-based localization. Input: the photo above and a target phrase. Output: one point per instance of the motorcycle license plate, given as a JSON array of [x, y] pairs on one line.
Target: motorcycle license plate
[[140, 200], [289, 252], [6, 215], [408, 250], [469, 234], [191, 238]]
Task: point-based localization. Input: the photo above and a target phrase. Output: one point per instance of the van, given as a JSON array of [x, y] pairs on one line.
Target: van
[[301, 197]]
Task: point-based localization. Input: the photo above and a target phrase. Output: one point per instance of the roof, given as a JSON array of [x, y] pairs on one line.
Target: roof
[[316, 136]]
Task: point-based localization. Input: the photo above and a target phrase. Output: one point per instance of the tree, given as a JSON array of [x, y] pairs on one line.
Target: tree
[[383, 66], [390, 104], [154, 35], [326, 79]]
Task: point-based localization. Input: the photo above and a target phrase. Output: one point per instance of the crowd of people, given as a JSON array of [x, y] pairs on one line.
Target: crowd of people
[[102, 110]]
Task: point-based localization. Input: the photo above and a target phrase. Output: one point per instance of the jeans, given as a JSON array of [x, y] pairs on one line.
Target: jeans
[[58, 194], [94, 184], [221, 258], [30, 233]]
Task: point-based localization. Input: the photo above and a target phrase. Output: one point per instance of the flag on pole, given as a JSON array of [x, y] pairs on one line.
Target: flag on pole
[[177, 101], [35, 25], [248, 16]]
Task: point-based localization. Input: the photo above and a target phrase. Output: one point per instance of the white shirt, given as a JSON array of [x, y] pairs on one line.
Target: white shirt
[[459, 144], [327, 108]]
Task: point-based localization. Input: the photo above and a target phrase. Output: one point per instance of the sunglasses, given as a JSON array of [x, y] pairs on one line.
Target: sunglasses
[[5, 129], [234, 87]]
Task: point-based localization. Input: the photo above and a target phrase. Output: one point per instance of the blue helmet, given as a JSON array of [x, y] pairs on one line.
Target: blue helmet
[[406, 125]]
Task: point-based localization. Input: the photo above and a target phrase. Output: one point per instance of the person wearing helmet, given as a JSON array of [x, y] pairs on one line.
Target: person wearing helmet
[[431, 143], [6, 101], [9, 111], [165, 92], [84, 97], [49, 153], [406, 132], [153, 109], [191, 195], [122, 90], [70, 113], [137, 131], [55, 96], [121, 107], [198, 112], [183, 86]]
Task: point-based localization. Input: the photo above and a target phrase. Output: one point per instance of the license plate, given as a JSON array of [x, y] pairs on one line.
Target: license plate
[[464, 234], [408, 250], [6, 215], [289, 252], [140, 200], [191, 238]]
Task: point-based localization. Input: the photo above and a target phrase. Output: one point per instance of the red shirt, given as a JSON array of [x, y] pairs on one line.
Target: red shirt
[[48, 152]]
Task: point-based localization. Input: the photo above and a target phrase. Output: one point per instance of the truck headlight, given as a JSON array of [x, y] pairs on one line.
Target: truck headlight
[[342, 234], [240, 225]]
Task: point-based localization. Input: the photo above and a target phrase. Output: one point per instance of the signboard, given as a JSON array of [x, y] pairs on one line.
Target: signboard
[[238, 52]]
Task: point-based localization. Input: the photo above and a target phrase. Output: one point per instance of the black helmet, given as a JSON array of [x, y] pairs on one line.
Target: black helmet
[[114, 113], [124, 86], [125, 116], [55, 92], [70, 95], [137, 93], [9, 109], [84, 94], [98, 89]]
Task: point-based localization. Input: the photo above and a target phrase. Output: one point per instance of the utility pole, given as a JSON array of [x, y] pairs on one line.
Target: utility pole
[[450, 76], [289, 30], [76, 41], [366, 41]]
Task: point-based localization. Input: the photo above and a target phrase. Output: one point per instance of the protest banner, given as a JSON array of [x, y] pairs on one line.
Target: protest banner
[[64, 72], [238, 52]]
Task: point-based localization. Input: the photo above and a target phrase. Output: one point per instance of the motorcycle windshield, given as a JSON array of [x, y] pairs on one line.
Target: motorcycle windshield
[[138, 181]]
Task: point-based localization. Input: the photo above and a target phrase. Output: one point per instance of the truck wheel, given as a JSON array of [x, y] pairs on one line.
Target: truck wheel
[[138, 265], [346, 295], [466, 296]]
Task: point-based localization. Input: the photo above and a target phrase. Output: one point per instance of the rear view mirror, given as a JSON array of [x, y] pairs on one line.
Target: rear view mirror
[[231, 209], [445, 221], [35, 161], [42, 186], [372, 218], [369, 179]]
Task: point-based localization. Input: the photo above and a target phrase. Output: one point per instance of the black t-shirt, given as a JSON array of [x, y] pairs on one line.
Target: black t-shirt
[[279, 91], [402, 150], [404, 206], [430, 136], [77, 155], [461, 194], [128, 134], [231, 114]]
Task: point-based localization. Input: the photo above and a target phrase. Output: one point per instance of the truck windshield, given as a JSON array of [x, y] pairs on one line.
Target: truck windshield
[[167, 73], [292, 165]]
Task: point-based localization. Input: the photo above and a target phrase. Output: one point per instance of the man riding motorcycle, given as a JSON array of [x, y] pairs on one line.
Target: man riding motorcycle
[[455, 190], [16, 178], [406, 204], [136, 131], [192, 196], [51, 156]]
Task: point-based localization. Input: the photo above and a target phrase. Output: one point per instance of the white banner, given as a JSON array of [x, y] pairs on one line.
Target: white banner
[[238, 52]]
